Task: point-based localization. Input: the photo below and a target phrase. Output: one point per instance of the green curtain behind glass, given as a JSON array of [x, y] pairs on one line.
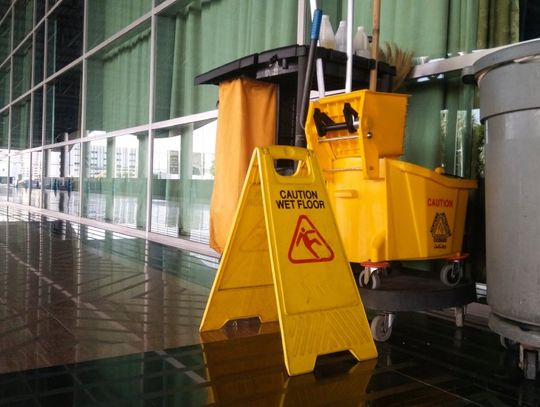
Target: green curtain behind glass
[[126, 70], [105, 17], [208, 34]]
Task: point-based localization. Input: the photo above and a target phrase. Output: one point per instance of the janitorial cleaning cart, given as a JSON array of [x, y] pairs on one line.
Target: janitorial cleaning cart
[[389, 210], [386, 209]]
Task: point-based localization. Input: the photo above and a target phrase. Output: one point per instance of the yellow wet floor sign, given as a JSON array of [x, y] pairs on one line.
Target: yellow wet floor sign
[[284, 261]]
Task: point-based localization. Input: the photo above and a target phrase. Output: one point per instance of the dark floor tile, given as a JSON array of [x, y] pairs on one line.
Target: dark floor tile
[[27, 402]]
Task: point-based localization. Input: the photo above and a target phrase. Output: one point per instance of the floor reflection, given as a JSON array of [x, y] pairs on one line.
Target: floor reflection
[[95, 318], [248, 369], [67, 295]]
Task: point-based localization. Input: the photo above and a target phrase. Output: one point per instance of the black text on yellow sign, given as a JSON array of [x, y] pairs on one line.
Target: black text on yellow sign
[[286, 263], [299, 199]]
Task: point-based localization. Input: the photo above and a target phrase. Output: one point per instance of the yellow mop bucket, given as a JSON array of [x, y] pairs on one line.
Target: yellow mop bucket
[[386, 209]]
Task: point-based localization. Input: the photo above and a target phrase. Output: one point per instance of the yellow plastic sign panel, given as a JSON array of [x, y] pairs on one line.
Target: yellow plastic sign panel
[[284, 261]]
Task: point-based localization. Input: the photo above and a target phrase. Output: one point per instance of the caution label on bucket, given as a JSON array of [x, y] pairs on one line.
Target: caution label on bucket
[[284, 261], [440, 230]]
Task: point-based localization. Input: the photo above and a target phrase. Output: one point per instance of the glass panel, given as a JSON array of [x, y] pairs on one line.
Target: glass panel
[[117, 90], [4, 5], [19, 173], [37, 117], [40, 10], [22, 69], [63, 107], [4, 159], [187, 45], [4, 85], [20, 125], [106, 17], [39, 59], [5, 38], [4, 171], [61, 183], [65, 35], [23, 19], [183, 173], [4, 131], [115, 180], [35, 181]]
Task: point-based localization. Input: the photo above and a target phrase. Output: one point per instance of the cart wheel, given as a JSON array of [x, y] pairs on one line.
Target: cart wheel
[[451, 274], [374, 280], [380, 329], [507, 343], [530, 363]]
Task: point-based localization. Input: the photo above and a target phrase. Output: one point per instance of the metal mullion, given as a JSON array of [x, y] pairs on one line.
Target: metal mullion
[[84, 86], [197, 117], [150, 143], [32, 74], [43, 79]]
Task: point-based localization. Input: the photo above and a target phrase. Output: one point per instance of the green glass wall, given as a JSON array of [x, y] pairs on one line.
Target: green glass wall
[[35, 183], [118, 83], [106, 17], [20, 125], [22, 69], [5, 37], [4, 85], [65, 34], [19, 174], [39, 54], [192, 40], [182, 180], [37, 117], [114, 182], [4, 135], [23, 19], [61, 184], [63, 113], [4, 156]]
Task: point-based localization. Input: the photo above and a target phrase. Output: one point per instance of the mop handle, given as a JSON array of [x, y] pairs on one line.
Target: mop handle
[[315, 28], [375, 44]]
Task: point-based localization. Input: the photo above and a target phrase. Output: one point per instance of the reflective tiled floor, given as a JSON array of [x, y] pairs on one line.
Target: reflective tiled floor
[[72, 293], [94, 318]]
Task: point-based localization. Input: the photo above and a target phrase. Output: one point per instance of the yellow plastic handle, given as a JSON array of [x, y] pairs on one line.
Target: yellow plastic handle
[[287, 153], [304, 171]]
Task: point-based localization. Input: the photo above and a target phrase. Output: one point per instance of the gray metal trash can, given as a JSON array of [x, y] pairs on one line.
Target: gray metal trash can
[[509, 82]]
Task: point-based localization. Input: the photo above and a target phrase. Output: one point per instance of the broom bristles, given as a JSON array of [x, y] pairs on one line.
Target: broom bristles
[[393, 55]]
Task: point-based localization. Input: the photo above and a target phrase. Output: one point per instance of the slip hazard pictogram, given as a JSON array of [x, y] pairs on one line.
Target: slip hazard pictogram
[[308, 245]]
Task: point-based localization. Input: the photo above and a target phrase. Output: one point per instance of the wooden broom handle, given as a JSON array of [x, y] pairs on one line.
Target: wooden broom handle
[[375, 44]]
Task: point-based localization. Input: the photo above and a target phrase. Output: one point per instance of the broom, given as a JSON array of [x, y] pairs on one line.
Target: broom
[[393, 55]]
